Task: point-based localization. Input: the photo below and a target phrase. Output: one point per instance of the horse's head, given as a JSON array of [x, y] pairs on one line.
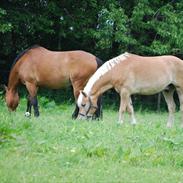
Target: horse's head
[[12, 99], [87, 106]]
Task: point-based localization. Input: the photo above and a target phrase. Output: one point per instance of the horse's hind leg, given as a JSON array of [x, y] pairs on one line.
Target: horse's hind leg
[[32, 89], [180, 95], [168, 95]]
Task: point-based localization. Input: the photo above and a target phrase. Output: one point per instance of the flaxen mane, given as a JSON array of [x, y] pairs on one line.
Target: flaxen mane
[[103, 69]]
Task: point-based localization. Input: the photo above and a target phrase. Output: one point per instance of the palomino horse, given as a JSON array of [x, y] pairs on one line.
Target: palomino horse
[[132, 74], [38, 66]]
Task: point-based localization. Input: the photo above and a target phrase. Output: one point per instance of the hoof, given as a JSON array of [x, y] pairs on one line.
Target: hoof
[[134, 122], [27, 114], [74, 117], [120, 122], [169, 125], [36, 115]]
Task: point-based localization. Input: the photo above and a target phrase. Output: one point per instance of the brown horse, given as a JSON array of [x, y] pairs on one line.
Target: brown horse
[[132, 74], [37, 67]]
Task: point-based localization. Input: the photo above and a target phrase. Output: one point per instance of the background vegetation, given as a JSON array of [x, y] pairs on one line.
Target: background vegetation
[[104, 28]]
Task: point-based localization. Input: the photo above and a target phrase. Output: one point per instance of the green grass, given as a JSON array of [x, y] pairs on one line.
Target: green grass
[[54, 148]]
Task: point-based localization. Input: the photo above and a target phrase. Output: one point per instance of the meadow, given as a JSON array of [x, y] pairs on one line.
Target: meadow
[[54, 148]]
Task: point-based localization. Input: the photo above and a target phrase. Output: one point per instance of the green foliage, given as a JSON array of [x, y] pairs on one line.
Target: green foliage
[[156, 27], [4, 26], [105, 28]]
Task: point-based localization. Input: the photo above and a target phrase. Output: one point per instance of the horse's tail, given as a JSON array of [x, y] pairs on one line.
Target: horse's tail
[[22, 53], [99, 62]]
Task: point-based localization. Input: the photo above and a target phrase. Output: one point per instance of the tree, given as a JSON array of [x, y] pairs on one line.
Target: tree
[[104, 28]]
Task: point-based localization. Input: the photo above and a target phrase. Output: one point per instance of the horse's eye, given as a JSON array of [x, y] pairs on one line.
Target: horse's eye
[[83, 105]]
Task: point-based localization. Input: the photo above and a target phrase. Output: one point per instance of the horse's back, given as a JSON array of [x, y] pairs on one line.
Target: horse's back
[[65, 60], [152, 62], [147, 75], [55, 69]]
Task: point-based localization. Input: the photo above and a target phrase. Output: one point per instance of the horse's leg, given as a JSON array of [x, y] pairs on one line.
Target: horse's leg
[[75, 113], [32, 89], [76, 110], [168, 95], [34, 102], [76, 88], [99, 113], [180, 95], [131, 111], [29, 106], [124, 96]]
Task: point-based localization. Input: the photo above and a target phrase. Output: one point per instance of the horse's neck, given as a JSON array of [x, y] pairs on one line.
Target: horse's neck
[[101, 85], [13, 79]]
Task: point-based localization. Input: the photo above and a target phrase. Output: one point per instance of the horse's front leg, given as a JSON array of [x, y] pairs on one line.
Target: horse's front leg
[[75, 113], [32, 89], [131, 111], [99, 112], [29, 106], [168, 95], [77, 86], [124, 96]]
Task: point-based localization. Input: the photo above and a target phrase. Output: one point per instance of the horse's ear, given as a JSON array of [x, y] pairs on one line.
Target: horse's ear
[[6, 88], [85, 95]]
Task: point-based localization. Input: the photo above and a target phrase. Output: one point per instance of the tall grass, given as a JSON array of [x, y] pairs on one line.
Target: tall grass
[[54, 148]]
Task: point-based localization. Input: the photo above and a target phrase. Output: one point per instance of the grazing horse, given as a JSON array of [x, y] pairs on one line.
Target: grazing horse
[[132, 74], [37, 67]]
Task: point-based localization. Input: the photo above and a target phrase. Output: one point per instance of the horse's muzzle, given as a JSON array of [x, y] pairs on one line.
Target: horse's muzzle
[[81, 116]]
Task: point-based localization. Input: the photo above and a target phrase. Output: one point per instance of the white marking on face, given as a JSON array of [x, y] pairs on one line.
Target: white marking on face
[[83, 105], [79, 101]]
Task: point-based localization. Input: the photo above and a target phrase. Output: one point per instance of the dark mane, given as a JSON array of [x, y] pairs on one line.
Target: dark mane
[[22, 53]]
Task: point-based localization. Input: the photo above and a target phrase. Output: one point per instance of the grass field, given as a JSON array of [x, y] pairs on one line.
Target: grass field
[[53, 148]]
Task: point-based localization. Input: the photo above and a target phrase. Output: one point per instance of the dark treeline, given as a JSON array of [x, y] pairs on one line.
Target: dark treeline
[[104, 28]]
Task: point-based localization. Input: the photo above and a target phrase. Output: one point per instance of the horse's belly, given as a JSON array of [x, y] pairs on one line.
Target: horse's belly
[[54, 83], [150, 89], [150, 83]]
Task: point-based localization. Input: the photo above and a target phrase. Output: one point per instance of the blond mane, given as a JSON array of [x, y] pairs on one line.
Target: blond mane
[[107, 66]]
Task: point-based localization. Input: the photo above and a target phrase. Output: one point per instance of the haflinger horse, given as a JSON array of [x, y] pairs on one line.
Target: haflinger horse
[[132, 74], [37, 67]]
